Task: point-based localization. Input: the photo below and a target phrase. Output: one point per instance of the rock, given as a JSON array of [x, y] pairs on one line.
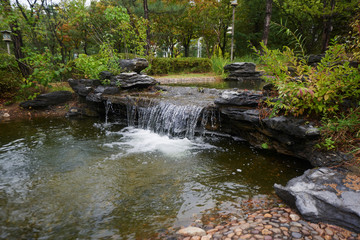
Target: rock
[[105, 75], [296, 235], [240, 67], [83, 87], [47, 99], [240, 98], [133, 65], [191, 231], [292, 126], [74, 112], [313, 60], [294, 217], [133, 80], [324, 195], [242, 71]]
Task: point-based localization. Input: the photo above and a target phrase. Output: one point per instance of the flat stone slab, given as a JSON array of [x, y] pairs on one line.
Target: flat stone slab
[[47, 99], [133, 80], [325, 195]]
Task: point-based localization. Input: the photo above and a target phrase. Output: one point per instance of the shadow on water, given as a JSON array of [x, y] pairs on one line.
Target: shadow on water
[[66, 179]]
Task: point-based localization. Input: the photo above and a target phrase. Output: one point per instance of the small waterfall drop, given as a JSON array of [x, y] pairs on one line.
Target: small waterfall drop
[[108, 107], [166, 118]]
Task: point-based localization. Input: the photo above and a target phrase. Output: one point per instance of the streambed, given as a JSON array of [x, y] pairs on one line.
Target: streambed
[[67, 179]]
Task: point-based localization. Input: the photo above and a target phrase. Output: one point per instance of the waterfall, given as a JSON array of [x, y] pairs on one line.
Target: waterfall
[[108, 107], [169, 119]]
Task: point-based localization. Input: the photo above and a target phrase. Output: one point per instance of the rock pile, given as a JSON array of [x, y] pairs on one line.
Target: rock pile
[[239, 71]]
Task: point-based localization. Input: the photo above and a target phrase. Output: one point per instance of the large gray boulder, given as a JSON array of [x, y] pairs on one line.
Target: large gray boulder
[[240, 98], [133, 80], [325, 195], [133, 65], [240, 67], [47, 100], [242, 71]]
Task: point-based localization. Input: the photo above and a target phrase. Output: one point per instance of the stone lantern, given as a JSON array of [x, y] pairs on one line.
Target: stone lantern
[[7, 38]]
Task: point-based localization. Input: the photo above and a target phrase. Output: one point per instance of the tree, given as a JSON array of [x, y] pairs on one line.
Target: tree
[[318, 21], [267, 21], [16, 36]]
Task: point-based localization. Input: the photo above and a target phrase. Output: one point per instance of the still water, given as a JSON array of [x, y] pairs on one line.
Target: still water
[[68, 179], [254, 84]]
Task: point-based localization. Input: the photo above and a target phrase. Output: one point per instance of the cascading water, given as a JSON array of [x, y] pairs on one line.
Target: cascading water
[[170, 119], [108, 107]]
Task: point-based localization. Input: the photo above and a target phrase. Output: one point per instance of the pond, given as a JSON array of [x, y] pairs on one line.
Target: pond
[[68, 179], [254, 84]]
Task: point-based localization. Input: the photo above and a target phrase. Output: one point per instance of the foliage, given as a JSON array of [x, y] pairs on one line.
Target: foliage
[[320, 90], [10, 76], [296, 39], [341, 130], [353, 39], [218, 64], [44, 70], [178, 65], [91, 66], [249, 58]]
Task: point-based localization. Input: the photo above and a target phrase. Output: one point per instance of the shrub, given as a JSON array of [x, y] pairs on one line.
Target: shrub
[[317, 90], [10, 76], [179, 65]]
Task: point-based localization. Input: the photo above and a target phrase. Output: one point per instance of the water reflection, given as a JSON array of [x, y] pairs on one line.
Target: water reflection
[[64, 179]]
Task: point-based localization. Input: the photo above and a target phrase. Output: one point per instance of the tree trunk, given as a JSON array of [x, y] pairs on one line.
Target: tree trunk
[[18, 44], [146, 16], [265, 36], [327, 26], [16, 38]]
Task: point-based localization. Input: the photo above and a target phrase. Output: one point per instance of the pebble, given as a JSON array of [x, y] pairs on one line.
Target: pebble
[[192, 231], [272, 224]]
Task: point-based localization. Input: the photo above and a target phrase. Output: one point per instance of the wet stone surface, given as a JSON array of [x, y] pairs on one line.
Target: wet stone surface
[[276, 223]]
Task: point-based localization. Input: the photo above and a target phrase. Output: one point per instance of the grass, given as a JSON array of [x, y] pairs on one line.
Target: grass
[[59, 86]]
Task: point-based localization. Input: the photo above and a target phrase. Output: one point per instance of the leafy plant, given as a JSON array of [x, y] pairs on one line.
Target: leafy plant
[[296, 39], [341, 130], [106, 60], [10, 75], [302, 89], [46, 68], [219, 62]]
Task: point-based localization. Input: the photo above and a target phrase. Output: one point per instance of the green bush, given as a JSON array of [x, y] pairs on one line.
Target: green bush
[[179, 65], [91, 66], [320, 91], [10, 76]]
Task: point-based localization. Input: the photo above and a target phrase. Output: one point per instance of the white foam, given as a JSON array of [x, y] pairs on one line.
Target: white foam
[[134, 140]]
